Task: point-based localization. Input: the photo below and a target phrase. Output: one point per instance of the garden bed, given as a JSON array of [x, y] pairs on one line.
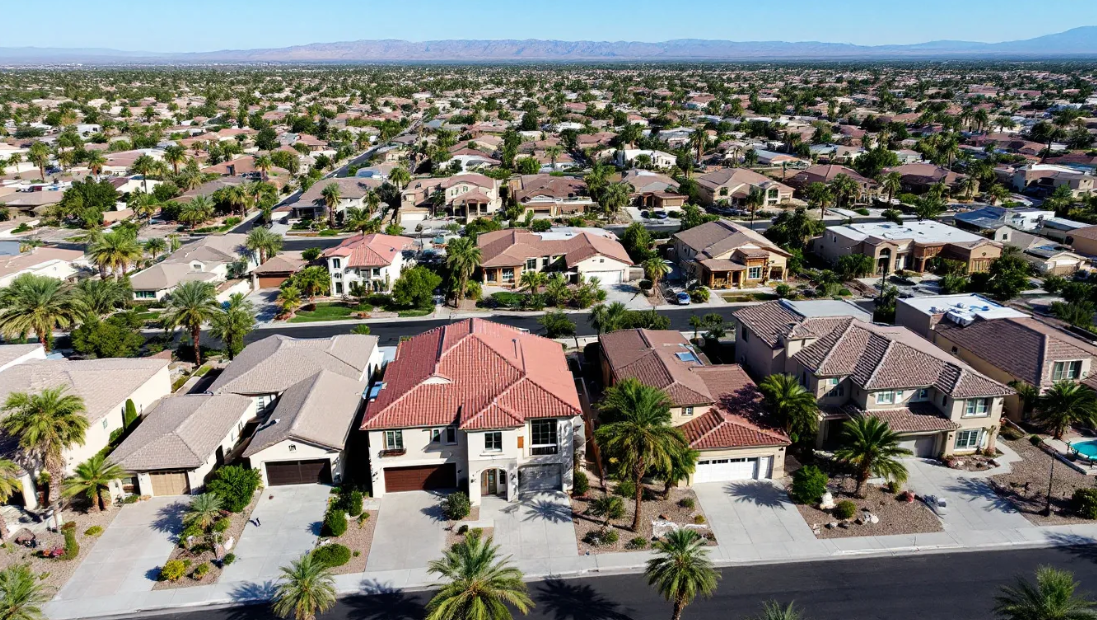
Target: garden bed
[[1027, 483], [453, 535], [204, 555], [357, 538], [655, 508], [896, 516], [54, 572]]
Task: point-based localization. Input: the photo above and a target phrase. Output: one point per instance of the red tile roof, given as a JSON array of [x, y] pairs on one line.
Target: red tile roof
[[511, 247], [476, 374], [374, 250]]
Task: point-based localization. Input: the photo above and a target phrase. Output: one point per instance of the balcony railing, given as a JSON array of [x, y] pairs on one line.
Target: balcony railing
[[394, 452], [544, 450]]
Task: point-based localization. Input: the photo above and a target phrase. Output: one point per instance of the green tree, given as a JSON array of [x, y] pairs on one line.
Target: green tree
[[331, 195], [191, 305], [794, 408], [1008, 274], [92, 478], [10, 472], [681, 569], [655, 270], [609, 318], [203, 511], [233, 323], [306, 588], [869, 445], [463, 258], [615, 197], [101, 297], [115, 252], [853, 266], [638, 433], [46, 425], [39, 155], [1065, 404], [533, 281], [1052, 597], [477, 585], [264, 243], [21, 594], [313, 281], [38, 304], [558, 325], [415, 287], [637, 242], [175, 155], [928, 207], [607, 507], [115, 336]]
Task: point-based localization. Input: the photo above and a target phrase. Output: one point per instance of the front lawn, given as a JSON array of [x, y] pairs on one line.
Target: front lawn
[[739, 298], [328, 311]]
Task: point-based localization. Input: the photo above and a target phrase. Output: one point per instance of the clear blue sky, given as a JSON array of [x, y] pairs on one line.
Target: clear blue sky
[[206, 25]]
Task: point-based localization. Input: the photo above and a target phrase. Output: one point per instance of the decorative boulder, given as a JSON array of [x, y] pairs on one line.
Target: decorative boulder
[[827, 503]]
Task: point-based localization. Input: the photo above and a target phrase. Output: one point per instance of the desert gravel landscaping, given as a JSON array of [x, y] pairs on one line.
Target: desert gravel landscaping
[[896, 516], [357, 538], [1027, 483], [205, 555], [655, 508], [55, 572]]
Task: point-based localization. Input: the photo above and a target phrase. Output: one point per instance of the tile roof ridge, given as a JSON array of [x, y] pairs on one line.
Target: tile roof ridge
[[830, 351], [880, 364]]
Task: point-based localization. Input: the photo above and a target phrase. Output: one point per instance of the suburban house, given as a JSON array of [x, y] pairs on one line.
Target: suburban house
[[995, 222], [717, 408], [277, 270], [652, 190], [907, 246], [352, 193], [1049, 257], [57, 263], [14, 354], [587, 252], [474, 404], [654, 159], [1002, 343], [208, 259], [374, 260], [105, 385], [1083, 240], [1046, 178], [723, 254], [937, 403], [551, 196], [179, 443], [467, 195], [825, 173], [919, 177], [734, 185]]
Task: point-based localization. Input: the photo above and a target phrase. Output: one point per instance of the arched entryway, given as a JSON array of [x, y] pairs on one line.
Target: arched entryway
[[493, 482], [883, 264]]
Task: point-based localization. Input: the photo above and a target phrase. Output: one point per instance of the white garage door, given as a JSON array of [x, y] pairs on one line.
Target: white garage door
[[605, 277], [922, 447], [723, 470], [539, 478]]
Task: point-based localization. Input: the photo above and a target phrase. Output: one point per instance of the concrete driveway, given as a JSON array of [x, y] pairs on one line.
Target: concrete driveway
[[972, 503], [753, 519], [290, 518], [410, 532], [127, 557], [537, 527], [628, 294]]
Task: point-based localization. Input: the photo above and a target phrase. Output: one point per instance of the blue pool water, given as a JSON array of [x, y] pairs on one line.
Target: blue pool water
[[1086, 448]]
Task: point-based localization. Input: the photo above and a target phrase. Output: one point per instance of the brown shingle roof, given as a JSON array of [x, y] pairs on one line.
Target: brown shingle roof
[[274, 363], [714, 239], [511, 247], [318, 410], [651, 357]]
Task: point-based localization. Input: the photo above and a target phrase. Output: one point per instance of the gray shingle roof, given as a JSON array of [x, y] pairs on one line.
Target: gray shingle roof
[[318, 410], [272, 364], [102, 383], [181, 432]]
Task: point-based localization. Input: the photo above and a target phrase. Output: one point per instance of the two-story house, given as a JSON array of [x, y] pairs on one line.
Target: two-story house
[[717, 407], [723, 254], [375, 261], [907, 246], [586, 252], [468, 196], [734, 185], [474, 404]]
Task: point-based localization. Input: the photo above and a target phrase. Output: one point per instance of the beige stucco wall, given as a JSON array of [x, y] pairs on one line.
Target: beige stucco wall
[[755, 356]]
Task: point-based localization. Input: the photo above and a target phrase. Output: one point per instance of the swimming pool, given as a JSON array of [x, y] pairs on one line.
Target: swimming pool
[[1086, 448]]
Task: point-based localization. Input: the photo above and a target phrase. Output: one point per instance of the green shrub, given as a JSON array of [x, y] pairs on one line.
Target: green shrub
[[94, 530], [581, 484], [687, 503], [362, 518], [222, 525], [456, 506], [131, 499], [335, 523], [699, 295], [352, 503], [1085, 503], [808, 485], [72, 547], [200, 571], [513, 301], [610, 537], [626, 488], [1035, 440], [235, 486], [461, 531], [332, 555], [845, 509], [861, 211], [228, 559], [638, 542], [699, 519], [190, 531], [476, 532], [783, 291], [173, 570]]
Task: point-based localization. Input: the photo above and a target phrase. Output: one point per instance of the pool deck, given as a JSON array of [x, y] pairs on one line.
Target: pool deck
[[1062, 450]]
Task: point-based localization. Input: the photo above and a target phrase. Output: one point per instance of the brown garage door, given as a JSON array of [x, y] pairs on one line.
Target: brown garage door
[[170, 483], [423, 478], [271, 281], [299, 472]]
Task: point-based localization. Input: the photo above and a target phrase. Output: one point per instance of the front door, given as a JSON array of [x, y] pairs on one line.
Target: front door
[[488, 484]]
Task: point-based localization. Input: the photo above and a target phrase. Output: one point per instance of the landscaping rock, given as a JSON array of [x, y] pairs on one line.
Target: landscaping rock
[[827, 503]]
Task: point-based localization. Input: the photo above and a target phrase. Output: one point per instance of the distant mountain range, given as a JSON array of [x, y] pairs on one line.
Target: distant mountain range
[[1078, 42]]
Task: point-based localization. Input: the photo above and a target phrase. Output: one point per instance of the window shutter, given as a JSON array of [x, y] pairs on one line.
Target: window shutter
[[521, 442]]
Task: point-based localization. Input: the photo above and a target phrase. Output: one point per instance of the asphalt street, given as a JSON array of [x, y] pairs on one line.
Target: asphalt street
[[958, 586]]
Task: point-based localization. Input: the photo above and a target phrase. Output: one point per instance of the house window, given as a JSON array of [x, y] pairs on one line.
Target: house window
[[923, 394], [394, 440], [336, 263], [338, 288], [447, 435], [145, 294], [1066, 370], [493, 441], [723, 191], [976, 407], [967, 439], [885, 398], [543, 437], [531, 264], [508, 274], [754, 273], [687, 411], [835, 387]]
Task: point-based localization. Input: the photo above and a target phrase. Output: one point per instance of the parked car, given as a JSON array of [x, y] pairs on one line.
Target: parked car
[[938, 505], [683, 299]]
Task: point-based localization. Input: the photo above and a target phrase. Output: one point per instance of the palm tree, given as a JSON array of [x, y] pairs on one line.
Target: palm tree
[[39, 155], [819, 194], [1052, 597], [289, 298], [262, 241], [331, 195], [46, 425], [1064, 404], [33, 303], [463, 258], [638, 432], [9, 484], [21, 594], [794, 407], [306, 589], [655, 269], [197, 211], [175, 155], [608, 507], [891, 183], [872, 447], [615, 197], [681, 569], [190, 305], [233, 323], [699, 140], [478, 586], [755, 200], [101, 297], [204, 510], [997, 194], [95, 161], [556, 289], [533, 280], [236, 196], [844, 187], [772, 610], [313, 281], [609, 318], [143, 205], [144, 166], [91, 478], [156, 246], [114, 252], [263, 163]]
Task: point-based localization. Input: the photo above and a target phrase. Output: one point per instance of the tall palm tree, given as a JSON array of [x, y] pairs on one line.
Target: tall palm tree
[[638, 433], [91, 478], [553, 153], [306, 588], [9, 485], [794, 407], [156, 246], [463, 257], [681, 569], [114, 252], [101, 297], [258, 241], [313, 281], [144, 165], [755, 200], [844, 188], [191, 305], [175, 155], [261, 194], [615, 197], [399, 177], [21, 594], [331, 195], [95, 161], [33, 303], [1052, 597], [263, 163], [233, 323], [1064, 404], [236, 197], [144, 206], [533, 280], [872, 447], [196, 211], [478, 586], [46, 425], [655, 270], [891, 183], [204, 510], [39, 155], [609, 318]]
